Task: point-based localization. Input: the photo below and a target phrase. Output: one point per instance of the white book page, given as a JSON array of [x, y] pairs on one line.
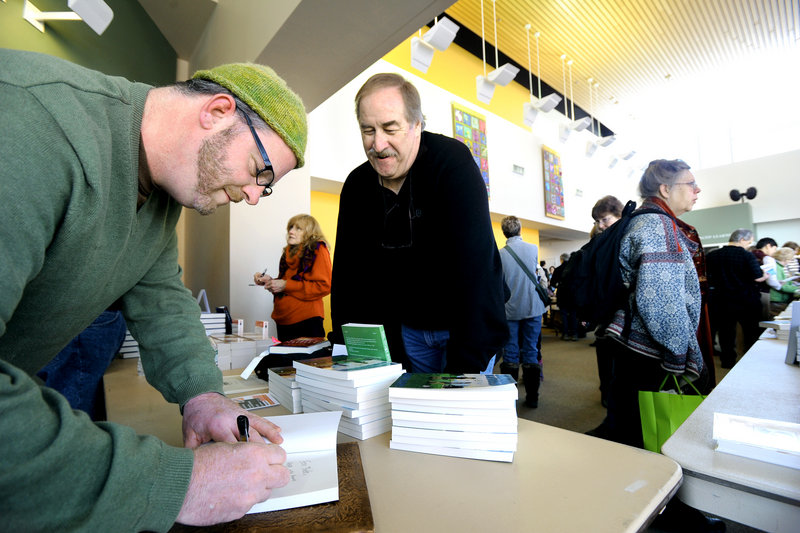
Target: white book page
[[310, 443]]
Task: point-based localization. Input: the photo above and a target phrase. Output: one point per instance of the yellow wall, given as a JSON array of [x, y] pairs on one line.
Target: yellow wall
[[325, 208]]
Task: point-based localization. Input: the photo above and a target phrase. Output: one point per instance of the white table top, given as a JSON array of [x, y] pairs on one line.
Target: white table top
[[559, 480], [761, 385]]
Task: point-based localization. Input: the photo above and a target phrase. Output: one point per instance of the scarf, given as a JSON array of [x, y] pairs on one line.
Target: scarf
[[309, 255]]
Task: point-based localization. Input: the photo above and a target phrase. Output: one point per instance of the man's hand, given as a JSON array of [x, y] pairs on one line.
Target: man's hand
[[212, 417], [228, 479]]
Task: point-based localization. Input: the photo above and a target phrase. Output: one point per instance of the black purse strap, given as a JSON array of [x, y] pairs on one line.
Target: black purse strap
[[521, 264]]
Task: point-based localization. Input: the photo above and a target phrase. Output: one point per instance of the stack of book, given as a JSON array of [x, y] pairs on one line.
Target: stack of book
[[284, 386], [214, 323], [129, 348], [460, 415], [359, 388], [233, 351]]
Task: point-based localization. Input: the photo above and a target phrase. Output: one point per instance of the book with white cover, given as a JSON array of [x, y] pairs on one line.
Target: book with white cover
[[340, 367], [454, 386], [502, 440], [771, 441], [285, 375], [310, 444], [499, 428], [289, 398], [462, 404], [354, 394], [401, 405], [346, 411], [365, 431], [362, 404], [507, 419], [458, 444], [487, 455]]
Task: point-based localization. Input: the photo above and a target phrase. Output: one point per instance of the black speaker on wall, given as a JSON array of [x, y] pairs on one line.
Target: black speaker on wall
[[750, 193]]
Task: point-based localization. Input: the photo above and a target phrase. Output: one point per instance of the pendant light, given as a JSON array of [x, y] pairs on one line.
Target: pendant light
[[531, 109], [502, 75]]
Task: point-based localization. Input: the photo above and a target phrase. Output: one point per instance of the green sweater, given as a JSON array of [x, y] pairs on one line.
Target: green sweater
[[71, 244]]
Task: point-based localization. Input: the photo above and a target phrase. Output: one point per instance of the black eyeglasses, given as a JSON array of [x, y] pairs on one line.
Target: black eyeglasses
[[396, 234], [268, 173]]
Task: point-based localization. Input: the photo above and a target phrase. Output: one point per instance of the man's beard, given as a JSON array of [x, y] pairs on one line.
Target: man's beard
[[211, 172]]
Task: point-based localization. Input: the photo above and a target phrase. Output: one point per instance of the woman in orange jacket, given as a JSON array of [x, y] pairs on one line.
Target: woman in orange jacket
[[304, 278]]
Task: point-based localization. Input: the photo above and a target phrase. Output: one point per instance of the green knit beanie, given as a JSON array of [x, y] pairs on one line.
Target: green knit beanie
[[268, 95]]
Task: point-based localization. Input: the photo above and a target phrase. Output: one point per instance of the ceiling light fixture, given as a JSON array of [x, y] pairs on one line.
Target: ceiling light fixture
[[583, 123], [501, 75], [439, 37], [531, 109], [95, 13], [563, 129]]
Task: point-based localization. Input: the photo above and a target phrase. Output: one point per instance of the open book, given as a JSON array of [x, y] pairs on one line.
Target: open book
[[310, 443]]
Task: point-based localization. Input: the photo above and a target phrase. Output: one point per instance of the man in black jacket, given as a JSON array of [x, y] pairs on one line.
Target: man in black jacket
[[414, 244], [733, 275]]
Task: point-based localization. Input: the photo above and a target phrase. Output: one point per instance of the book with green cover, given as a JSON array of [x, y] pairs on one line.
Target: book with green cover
[[454, 386], [366, 341]]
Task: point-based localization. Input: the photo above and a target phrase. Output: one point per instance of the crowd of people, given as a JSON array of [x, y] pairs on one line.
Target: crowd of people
[[414, 251]]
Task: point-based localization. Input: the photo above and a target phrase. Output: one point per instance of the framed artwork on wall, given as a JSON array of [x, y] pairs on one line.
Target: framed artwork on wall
[[469, 127], [553, 184]]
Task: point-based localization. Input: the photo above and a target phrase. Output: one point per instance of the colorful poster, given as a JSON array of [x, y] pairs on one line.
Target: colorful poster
[[470, 128], [553, 184]]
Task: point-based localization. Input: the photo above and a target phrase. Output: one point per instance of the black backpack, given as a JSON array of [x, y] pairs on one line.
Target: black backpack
[[591, 283]]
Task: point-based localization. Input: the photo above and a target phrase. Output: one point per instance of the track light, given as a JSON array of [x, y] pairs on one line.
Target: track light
[[606, 141], [95, 13], [442, 34], [439, 37], [629, 155], [548, 103], [580, 124], [563, 132], [485, 89], [503, 75], [613, 162], [591, 148]]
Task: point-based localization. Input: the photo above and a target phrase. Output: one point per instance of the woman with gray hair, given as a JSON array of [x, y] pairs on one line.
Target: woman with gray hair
[[663, 264]]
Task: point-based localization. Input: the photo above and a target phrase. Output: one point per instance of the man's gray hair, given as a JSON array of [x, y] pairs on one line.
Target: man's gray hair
[[741, 234]]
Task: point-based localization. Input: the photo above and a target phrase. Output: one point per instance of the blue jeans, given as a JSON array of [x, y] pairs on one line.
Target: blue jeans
[[77, 370], [427, 350], [523, 336]]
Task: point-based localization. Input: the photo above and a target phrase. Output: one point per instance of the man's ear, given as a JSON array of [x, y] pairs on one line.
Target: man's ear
[[215, 108]]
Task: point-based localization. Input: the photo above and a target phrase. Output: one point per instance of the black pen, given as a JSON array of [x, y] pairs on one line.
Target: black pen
[[244, 428]]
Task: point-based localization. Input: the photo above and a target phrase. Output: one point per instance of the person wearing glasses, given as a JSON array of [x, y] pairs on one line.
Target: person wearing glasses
[[304, 278], [605, 212], [414, 246], [96, 171], [662, 260]]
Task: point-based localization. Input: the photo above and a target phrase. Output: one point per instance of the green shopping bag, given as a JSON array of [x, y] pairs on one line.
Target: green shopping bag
[[663, 412]]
